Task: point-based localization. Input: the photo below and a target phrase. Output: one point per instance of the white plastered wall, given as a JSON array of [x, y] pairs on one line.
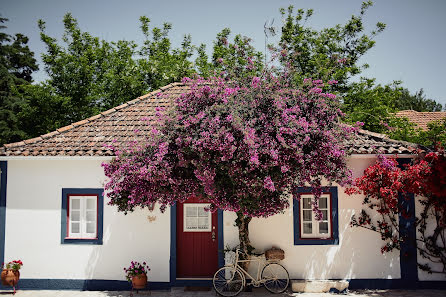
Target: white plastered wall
[[33, 223], [424, 275], [357, 255], [33, 226]]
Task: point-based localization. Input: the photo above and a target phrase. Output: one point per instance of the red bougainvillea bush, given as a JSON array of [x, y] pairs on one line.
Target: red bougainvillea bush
[[240, 144], [384, 182]]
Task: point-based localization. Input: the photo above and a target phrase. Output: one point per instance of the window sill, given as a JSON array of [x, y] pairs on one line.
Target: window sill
[[316, 241], [93, 241], [95, 238]]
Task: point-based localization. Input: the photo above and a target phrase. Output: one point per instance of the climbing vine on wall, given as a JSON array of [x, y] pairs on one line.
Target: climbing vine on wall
[[387, 187]]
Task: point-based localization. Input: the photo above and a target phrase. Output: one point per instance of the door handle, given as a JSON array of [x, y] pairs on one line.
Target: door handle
[[213, 235]]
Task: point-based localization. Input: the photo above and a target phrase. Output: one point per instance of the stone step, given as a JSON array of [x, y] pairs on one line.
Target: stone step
[[318, 286]]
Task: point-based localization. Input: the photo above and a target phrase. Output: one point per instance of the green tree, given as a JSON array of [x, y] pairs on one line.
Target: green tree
[[434, 136], [331, 53], [91, 75], [230, 58], [43, 110], [160, 64], [16, 66], [376, 106], [88, 75], [417, 101], [372, 104]]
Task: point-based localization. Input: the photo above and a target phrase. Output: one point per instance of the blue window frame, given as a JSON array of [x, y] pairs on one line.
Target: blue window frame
[[332, 232], [86, 208]]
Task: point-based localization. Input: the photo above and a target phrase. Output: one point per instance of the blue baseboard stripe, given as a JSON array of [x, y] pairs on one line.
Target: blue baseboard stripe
[[83, 285], [116, 285], [395, 284]]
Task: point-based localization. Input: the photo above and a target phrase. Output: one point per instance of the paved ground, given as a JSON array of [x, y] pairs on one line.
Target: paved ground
[[256, 293]]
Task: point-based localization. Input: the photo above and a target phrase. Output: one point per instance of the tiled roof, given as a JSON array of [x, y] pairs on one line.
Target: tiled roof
[[89, 137], [421, 119], [367, 142]]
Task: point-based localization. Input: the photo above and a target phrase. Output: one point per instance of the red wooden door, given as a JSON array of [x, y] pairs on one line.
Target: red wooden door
[[197, 240]]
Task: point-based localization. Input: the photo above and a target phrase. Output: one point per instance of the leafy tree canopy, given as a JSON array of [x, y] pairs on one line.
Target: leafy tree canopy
[[331, 53], [16, 66]]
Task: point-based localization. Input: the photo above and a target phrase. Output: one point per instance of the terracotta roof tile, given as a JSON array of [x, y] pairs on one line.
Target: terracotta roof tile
[[90, 136], [421, 119]]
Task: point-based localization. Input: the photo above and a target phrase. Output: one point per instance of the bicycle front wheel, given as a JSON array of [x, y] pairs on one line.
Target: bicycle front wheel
[[228, 281], [275, 278]]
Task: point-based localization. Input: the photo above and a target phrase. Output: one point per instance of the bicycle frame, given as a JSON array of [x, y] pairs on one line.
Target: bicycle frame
[[256, 282]]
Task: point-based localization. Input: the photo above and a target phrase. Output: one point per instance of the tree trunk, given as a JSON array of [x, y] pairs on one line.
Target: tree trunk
[[246, 248]]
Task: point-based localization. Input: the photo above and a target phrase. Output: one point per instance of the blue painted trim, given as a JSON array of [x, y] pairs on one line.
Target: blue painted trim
[[63, 216], [83, 285], [375, 284], [335, 220], [173, 244], [173, 250], [3, 183], [221, 252], [395, 284], [116, 285], [408, 251]]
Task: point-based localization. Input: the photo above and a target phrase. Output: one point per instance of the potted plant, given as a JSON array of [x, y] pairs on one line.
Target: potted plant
[[10, 273], [136, 273]]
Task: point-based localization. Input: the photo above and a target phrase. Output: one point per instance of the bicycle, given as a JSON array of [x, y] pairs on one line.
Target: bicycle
[[230, 280]]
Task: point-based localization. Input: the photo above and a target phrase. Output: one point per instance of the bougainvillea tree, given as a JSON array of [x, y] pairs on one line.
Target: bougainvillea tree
[[387, 186], [239, 144]]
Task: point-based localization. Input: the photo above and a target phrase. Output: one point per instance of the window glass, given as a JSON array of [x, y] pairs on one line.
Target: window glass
[[311, 227], [83, 217], [308, 228], [323, 227], [196, 217]]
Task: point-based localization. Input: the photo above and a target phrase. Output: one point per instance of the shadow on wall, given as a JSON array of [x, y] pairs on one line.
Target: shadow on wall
[[139, 236], [357, 255]]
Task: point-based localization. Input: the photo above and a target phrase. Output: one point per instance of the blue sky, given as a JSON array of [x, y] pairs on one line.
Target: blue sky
[[411, 49]]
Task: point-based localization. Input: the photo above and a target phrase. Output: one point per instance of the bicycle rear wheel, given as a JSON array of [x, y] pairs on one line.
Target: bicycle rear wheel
[[275, 278], [228, 281]]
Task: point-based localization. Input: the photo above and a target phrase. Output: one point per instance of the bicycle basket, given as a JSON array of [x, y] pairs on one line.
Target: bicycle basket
[[274, 254], [229, 257]]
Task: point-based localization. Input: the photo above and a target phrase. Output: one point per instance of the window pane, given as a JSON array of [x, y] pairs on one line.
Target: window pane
[[75, 228], [308, 228], [325, 214], [91, 203], [323, 202], [91, 227], [75, 215], [75, 203], [323, 227], [191, 223], [91, 215], [307, 215], [203, 223], [306, 203], [191, 211], [202, 212]]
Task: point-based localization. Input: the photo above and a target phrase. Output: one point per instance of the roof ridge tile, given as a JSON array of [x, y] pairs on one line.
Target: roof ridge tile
[[33, 140], [63, 129]]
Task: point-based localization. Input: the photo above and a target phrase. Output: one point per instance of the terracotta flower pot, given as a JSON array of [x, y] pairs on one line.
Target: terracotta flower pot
[[10, 277], [139, 281]]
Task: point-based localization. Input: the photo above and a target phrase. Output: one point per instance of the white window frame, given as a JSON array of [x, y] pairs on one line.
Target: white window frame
[[83, 201], [315, 234], [209, 217]]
